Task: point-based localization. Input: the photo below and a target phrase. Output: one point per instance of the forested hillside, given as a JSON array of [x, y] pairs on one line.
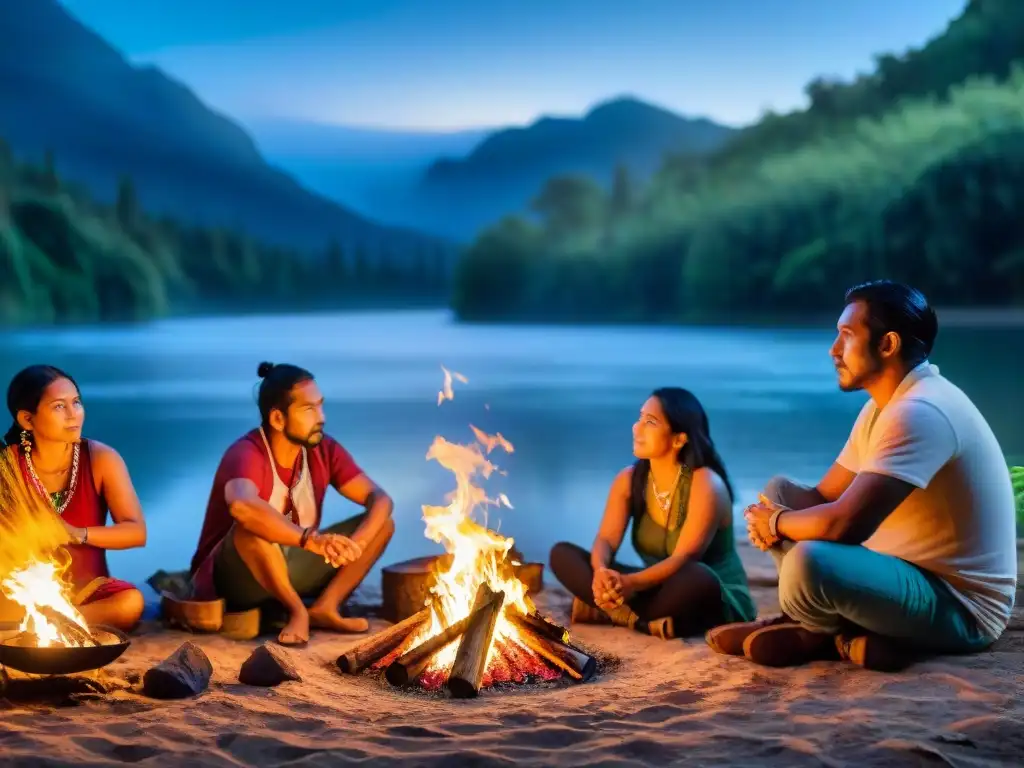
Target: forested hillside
[[66, 258], [913, 172]]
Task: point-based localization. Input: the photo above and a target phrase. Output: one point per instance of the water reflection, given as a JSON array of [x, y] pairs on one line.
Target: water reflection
[[171, 396]]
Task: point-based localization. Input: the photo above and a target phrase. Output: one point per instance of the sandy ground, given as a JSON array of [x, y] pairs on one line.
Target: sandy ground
[[660, 703]]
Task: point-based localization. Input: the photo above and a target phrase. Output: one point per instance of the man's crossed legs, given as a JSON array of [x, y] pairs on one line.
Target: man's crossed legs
[[845, 601], [250, 572]]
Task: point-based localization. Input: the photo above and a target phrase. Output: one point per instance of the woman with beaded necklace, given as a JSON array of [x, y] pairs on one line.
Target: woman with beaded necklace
[[679, 499], [82, 480]]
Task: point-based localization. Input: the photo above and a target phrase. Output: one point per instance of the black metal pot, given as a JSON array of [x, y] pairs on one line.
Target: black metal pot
[[60, 660]]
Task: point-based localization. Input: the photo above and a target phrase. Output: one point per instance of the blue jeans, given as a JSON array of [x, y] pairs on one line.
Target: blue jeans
[[832, 588]]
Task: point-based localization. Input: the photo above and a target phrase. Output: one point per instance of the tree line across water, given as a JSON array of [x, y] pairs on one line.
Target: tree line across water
[[64, 257], [913, 172]]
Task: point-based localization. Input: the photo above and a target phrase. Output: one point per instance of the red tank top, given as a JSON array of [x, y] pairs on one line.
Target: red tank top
[[87, 509]]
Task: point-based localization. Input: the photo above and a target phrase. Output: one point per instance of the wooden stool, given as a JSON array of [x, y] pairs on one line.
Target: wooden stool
[[405, 586]]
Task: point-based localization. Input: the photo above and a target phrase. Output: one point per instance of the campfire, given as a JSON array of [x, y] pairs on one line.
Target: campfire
[[53, 637], [50, 619], [479, 627]]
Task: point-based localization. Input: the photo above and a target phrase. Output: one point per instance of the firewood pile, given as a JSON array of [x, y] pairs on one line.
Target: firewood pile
[[539, 648]]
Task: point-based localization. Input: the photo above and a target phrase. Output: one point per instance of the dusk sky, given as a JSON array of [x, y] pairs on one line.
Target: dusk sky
[[448, 64]]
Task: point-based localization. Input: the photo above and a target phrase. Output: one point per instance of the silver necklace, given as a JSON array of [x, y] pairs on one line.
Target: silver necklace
[[664, 498], [72, 483]]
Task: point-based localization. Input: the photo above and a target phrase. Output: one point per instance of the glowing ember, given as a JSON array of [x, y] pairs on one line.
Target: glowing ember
[[39, 589], [477, 555]]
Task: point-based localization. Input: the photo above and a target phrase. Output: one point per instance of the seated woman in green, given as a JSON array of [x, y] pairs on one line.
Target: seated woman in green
[[679, 499]]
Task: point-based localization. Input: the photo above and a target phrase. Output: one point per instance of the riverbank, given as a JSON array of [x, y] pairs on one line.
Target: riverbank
[[949, 317], [657, 703]]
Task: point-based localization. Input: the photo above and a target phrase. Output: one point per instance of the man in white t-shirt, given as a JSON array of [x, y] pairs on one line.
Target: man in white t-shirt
[[907, 545]]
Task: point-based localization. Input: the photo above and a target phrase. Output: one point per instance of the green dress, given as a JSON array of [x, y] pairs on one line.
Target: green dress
[[655, 542]]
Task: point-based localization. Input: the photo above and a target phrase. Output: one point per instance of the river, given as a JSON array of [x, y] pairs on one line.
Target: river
[[172, 395]]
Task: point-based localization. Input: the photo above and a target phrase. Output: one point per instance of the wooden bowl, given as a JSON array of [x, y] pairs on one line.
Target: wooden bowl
[[192, 615]]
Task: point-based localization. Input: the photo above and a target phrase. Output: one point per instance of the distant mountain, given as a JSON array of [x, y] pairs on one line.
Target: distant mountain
[[507, 169], [371, 170], [67, 91], [279, 138]]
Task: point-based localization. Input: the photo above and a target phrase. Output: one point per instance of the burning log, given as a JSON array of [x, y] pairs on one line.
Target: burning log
[[370, 651], [578, 665], [411, 664], [471, 660], [546, 628], [74, 634]]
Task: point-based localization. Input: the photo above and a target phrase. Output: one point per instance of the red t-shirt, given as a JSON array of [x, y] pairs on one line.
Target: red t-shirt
[[329, 464]]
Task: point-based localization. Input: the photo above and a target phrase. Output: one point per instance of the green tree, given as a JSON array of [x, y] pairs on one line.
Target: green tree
[[623, 194], [494, 275], [127, 205], [6, 182], [419, 276], [50, 179], [362, 271], [334, 261], [570, 207], [440, 268]]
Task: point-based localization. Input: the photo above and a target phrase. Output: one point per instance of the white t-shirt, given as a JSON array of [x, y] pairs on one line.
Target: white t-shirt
[[959, 521]]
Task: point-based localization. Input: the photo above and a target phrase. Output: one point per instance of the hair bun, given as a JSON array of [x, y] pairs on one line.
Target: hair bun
[[264, 369]]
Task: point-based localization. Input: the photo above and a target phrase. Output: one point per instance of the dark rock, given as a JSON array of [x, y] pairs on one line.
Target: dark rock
[[186, 672], [267, 666]]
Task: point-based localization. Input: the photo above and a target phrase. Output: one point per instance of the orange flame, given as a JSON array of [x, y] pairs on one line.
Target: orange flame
[[32, 563], [477, 554], [36, 586], [447, 393]]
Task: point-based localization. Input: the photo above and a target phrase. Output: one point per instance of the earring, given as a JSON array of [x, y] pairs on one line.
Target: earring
[[26, 442]]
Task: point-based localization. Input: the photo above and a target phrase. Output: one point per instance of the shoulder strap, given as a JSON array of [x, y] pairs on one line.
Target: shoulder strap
[[85, 464], [682, 499]]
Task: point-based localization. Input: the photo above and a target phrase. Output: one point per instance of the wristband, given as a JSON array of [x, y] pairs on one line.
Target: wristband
[[773, 523], [305, 537]]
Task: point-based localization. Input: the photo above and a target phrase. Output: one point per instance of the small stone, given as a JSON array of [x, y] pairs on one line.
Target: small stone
[[186, 672], [268, 666]]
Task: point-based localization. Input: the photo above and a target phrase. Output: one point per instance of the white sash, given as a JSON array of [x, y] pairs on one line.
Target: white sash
[[301, 492]]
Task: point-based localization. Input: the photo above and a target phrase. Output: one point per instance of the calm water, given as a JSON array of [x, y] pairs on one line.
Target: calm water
[[171, 396]]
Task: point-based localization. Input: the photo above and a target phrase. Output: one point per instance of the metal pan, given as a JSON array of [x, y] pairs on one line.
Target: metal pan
[[60, 660]]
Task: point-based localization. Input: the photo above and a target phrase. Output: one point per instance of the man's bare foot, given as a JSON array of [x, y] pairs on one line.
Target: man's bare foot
[[324, 618], [296, 631]]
